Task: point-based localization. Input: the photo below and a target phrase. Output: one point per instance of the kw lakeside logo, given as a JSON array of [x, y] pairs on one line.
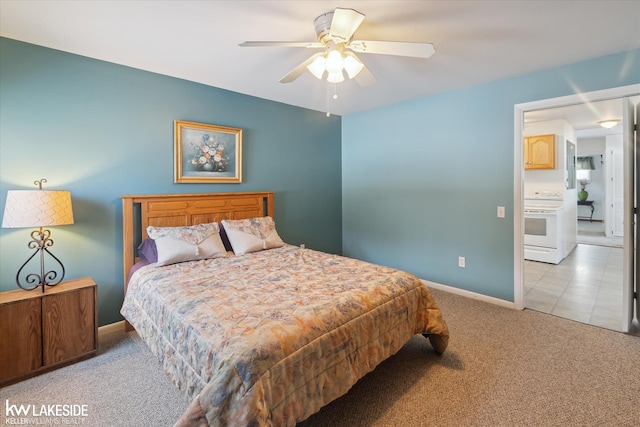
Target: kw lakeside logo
[[47, 414]]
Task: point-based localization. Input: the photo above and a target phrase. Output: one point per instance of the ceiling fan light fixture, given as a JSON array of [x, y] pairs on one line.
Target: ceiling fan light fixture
[[352, 66], [317, 67], [608, 124], [335, 32], [335, 77]]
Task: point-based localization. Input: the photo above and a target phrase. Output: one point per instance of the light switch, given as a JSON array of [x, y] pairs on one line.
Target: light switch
[[500, 211]]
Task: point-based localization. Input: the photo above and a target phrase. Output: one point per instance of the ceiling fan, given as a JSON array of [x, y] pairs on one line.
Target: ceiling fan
[[335, 32]]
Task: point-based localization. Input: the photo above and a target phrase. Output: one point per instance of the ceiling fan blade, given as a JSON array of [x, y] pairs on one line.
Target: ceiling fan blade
[[415, 49], [309, 45], [364, 77], [345, 22], [300, 69]]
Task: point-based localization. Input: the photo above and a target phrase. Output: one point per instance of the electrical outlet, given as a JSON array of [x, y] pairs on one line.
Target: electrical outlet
[[461, 261], [302, 246], [501, 212]]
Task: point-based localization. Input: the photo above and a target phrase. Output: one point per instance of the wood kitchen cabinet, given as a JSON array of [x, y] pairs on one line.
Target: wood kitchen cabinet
[[43, 331], [540, 152]]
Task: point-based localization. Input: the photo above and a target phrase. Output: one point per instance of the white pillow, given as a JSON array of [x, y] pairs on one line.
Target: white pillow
[[189, 243], [252, 235]]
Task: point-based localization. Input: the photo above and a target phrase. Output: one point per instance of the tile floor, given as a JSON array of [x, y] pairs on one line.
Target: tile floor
[[585, 287]]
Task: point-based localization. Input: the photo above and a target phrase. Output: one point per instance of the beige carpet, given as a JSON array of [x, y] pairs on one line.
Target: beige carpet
[[502, 368]]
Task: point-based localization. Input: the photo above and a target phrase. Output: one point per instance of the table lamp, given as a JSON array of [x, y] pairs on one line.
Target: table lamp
[[38, 208]]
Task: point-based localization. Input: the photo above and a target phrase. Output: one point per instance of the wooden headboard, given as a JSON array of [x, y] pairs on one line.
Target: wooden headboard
[[173, 210]]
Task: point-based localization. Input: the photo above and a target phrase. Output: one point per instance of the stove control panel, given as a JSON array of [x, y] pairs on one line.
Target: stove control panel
[[543, 194]]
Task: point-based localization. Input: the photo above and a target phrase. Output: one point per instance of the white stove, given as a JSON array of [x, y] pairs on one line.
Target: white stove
[[543, 226]]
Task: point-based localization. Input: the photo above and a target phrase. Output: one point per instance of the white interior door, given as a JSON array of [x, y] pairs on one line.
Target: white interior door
[[614, 194], [618, 194], [630, 238], [636, 145]]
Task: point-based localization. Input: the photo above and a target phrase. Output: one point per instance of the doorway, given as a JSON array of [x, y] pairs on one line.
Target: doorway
[[583, 260]]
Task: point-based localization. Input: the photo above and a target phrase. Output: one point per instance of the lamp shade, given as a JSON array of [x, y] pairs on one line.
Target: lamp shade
[[335, 77], [37, 208], [317, 66], [334, 63], [352, 66]]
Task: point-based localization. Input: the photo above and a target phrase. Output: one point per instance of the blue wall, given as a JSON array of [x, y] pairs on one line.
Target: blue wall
[[421, 180], [102, 130], [413, 185]]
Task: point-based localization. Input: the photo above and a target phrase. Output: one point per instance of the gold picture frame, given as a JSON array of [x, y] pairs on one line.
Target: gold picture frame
[[205, 154]]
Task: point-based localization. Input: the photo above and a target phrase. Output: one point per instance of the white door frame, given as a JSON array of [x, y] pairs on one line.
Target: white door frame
[[518, 168]]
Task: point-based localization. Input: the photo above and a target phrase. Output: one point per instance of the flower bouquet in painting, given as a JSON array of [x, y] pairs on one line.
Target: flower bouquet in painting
[[209, 155]]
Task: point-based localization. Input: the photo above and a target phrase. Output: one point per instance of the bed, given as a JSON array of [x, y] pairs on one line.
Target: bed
[[262, 333]]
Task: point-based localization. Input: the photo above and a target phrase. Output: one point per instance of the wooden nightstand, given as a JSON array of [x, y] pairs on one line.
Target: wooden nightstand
[[43, 331]]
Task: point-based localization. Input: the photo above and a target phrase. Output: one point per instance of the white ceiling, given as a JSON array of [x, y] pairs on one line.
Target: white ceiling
[[584, 118], [476, 41]]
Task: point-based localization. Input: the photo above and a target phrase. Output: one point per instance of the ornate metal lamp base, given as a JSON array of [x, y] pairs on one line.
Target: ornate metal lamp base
[[40, 242]]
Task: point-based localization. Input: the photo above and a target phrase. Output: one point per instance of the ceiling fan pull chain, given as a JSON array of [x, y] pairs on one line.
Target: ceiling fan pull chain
[[335, 96], [328, 103]]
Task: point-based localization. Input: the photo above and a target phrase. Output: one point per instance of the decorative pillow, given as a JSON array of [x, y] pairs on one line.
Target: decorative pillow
[[252, 235], [147, 251], [189, 243]]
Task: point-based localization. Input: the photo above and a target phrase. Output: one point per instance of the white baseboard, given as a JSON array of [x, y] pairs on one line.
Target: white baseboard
[[469, 294], [112, 327]]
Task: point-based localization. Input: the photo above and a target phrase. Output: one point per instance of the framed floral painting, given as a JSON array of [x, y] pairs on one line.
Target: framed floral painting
[[207, 153]]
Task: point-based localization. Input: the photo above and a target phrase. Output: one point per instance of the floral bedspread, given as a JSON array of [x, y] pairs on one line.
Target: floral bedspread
[[270, 337]]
